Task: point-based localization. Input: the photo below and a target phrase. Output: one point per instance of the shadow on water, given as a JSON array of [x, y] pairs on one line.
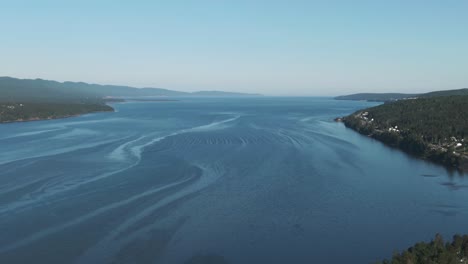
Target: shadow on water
[[429, 175], [455, 172], [453, 186], [452, 172], [207, 259]]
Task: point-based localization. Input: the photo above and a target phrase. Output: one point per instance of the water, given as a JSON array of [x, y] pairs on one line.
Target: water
[[252, 180]]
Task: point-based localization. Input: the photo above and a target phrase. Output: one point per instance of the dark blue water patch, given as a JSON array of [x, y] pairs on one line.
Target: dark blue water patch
[[251, 180]]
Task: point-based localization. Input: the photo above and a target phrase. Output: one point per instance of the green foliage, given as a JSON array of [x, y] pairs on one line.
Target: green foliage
[[390, 97], [22, 100], [18, 90], [38, 90], [433, 119], [446, 93], [434, 252], [426, 127], [377, 97], [27, 111]]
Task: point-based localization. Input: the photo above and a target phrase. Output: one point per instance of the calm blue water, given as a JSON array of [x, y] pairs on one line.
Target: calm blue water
[[265, 180]]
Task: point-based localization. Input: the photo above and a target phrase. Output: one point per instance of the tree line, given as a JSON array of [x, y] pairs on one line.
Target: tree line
[[434, 128]]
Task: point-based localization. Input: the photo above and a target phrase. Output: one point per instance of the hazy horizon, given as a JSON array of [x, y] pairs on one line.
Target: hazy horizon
[[266, 47]]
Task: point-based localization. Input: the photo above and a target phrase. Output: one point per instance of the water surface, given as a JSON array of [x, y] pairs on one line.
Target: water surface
[[246, 180]]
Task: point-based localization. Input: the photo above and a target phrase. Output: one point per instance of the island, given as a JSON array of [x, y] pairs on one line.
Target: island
[[435, 251], [434, 128]]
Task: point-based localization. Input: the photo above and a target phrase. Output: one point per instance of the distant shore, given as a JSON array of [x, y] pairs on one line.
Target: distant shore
[[35, 111], [50, 118], [16, 112], [147, 100]]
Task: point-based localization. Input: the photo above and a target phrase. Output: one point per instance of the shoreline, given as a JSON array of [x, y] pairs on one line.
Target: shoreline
[[35, 119], [108, 103], [462, 160]]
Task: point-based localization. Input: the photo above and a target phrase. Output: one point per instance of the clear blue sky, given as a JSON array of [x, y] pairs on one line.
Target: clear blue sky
[[271, 47]]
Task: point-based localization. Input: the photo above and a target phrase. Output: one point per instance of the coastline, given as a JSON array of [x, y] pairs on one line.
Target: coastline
[[38, 118], [108, 102], [428, 152]]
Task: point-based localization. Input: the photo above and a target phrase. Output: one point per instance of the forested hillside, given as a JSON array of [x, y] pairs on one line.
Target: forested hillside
[[391, 97], [29, 111], [375, 97], [434, 128], [12, 89], [446, 93], [27, 100], [24, 99], [434, 252]]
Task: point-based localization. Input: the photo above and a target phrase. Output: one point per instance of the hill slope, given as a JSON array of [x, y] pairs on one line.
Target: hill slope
[[390, 97], [434, 128], [435, 251], [26, 100], [12, 89], [375, 97], [221, 94], [463, 91]]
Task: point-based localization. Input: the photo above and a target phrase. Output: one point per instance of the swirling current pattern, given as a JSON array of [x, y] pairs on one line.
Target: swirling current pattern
[[252, 180]]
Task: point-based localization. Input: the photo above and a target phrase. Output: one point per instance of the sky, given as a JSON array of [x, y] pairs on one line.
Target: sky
[[269, 47]]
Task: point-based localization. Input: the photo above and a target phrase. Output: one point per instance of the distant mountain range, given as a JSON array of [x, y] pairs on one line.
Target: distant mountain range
[[13, 89], [388, 97]]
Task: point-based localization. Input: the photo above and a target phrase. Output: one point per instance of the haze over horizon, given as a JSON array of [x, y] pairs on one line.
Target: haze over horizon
[[267, 47]]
